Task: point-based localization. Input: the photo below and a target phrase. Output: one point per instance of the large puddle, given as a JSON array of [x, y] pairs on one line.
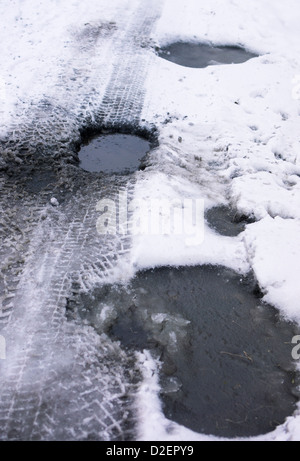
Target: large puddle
[[202, 55], [226, 358], [113, 153]]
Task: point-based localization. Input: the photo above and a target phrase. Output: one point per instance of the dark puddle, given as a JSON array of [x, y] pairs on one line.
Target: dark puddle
[[227, 221], [226, 357], [40, 180], [114, 153], [201, 55]]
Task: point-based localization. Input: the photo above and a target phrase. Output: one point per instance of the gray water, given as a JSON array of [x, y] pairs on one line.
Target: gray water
[[113, 153], [226, 357], [226, 221], [201, 55]]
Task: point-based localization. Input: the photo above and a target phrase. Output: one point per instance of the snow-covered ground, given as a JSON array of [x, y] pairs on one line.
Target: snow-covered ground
[[232, 137], [255, 143]]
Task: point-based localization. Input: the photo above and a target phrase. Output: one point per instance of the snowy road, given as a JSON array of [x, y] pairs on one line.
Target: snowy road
[[227, 135], [56, 382]]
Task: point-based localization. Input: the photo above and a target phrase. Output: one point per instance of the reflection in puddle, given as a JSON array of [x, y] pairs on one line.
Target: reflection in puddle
[[226, 357], [113, 153], [201, 55]]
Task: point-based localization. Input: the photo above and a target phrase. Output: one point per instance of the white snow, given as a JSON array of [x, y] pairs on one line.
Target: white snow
[[233, 138], [245, 118], [151, 249], [273, 247], [40, 53], [54, 201]]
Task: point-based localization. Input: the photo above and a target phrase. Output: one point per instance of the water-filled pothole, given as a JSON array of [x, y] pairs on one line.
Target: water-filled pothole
[[113, 153], [226, 357], [227, 221], [200, 55]]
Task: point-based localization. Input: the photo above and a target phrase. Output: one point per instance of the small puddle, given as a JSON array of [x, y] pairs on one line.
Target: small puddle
[[40, 180], [226, 358], [201, 55], [226, 221], [113, 153]]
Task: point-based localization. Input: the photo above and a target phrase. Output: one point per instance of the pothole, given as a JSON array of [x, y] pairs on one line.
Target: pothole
[[200, 55], [113, 153], [226, 358], [227, 221]]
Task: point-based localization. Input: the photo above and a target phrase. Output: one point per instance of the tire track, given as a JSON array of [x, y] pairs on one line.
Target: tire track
[[124, 97], [61, 380]]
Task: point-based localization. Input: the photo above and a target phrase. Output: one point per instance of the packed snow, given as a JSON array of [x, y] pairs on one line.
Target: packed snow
[[228, 135]]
